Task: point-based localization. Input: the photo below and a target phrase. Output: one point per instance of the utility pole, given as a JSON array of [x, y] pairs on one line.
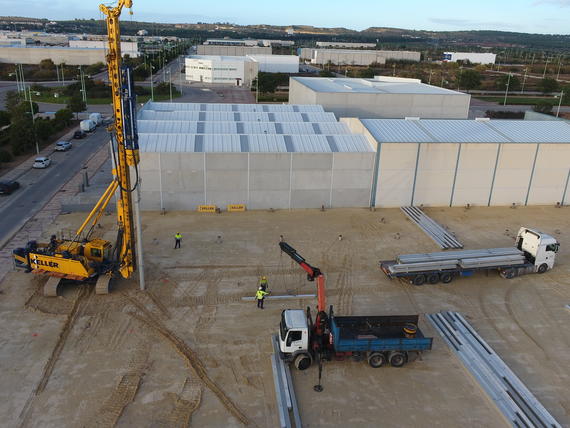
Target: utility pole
[[559, 65], [62, 76], [545, 65], [34, 122], [430, 73], [559, 103], [257, 88], [170, 83], [151, 85], [524, 80], [507, 89]]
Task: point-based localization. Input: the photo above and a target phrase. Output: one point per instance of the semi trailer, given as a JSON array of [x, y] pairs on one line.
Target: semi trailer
[[534, 251]]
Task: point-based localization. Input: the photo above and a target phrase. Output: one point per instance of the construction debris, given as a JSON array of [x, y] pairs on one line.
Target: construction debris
[[510, 395], [435, 231]]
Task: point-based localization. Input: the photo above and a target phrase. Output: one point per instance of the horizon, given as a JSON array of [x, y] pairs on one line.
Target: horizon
[[548, 17]]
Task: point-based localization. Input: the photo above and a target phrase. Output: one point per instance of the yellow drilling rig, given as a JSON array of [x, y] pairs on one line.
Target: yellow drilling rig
[[84, 257]]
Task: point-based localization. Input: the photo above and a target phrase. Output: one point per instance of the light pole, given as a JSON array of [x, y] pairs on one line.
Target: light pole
[[151, 84], [257, 89], [34, 122], [545, 65], [524, 80], [507, 89], [559, 65], [559, 103], [430, 73], [170, 83]]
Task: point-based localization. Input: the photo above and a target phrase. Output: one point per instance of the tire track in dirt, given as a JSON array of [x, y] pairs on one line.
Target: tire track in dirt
[[344, 282], [150, 320], [185, 404]]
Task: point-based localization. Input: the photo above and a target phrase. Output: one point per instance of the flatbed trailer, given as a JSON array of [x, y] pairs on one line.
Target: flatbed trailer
[[534, 252]]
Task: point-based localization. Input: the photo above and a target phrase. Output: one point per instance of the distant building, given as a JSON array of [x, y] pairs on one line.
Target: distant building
[[249, 42], [355, 57], [290, 31], [35, 54], [276, 63], [142, 33], [231, 70], [232, 50], [345, 45], [381, 97], [472, 57], [127, 48]]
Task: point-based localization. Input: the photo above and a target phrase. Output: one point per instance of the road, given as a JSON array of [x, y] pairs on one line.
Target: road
[[479, 107], [39, 185]]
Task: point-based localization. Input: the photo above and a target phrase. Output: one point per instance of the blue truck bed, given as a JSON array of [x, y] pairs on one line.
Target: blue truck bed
[[376, 333]]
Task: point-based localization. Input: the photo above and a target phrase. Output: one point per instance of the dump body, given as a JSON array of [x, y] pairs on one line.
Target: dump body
[[376, 333]]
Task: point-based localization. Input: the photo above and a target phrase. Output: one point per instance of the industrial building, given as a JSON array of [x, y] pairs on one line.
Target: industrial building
[[232, 70], [249, 42], [276, 63], [472, 57], [59, 55], [232, 50], [263, 156], [345, 45], [477, 162], [381, 97], [127, 48], [355, 57]]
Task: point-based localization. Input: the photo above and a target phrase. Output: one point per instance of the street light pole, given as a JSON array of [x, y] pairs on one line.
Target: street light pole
[[559, 103], [170, 83], [34, 122], [507, 89], [524, 80], [545, 65]]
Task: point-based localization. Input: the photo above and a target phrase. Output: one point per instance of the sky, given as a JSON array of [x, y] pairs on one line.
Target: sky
[[528, 16]]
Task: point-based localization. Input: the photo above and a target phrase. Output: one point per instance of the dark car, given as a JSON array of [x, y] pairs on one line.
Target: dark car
[[79, 135], [7, 187]]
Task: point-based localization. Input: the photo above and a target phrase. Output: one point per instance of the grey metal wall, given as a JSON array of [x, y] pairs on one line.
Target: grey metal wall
[[34, 55], [182, 181], [232, 50]]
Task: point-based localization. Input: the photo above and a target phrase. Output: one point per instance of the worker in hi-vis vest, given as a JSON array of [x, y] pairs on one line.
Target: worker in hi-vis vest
[[177, 240], [263, 284], [259, 296]]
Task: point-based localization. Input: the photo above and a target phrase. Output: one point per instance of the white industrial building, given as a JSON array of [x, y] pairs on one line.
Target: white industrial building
[[229, 70], [381, 97], [276, 63], [350, 45], [59, 55], [355, 57], [472, 57], [459, 162], [249, 42], [263, 156], [127, 48], [225, 50]]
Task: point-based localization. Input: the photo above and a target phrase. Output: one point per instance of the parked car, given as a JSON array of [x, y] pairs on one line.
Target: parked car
[[87, 125], [41, 162], [63, 146], [78, 135], [7, 187]]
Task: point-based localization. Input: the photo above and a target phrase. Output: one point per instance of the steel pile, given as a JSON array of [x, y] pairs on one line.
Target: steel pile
[[284, 391], [435, 231], [510, 395]]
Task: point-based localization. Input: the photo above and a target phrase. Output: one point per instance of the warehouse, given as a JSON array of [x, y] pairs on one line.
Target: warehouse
[[381, 97], [232, 70], [127, 48], [59, 55], [461, 162], [350, 45], [276, 63], [355, 57], [472, 57], [233, 50], [263, 156]]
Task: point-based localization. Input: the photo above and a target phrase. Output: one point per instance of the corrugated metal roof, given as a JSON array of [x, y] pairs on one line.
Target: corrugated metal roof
[[255, 143], [468, 131], [166, 127], [460, 131], [157, 106], [235, 116], [219, 127], [333, 128], [533, 131], [259, 128]]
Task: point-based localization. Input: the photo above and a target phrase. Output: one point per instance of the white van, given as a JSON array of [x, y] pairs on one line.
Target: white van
[[87, 125], [96, 118]]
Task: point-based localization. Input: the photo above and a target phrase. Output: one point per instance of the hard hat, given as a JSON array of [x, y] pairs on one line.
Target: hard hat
[[263, 277]]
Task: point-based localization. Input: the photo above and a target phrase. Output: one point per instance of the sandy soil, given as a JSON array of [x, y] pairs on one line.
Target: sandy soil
[[190, 352]]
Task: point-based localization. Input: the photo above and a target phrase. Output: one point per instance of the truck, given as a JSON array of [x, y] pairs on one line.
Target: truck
[[87, 125], [534, 252], [380, 340], [96, 118]]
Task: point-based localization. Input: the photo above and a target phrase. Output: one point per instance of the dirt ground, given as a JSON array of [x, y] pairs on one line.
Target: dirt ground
[[190, 352]]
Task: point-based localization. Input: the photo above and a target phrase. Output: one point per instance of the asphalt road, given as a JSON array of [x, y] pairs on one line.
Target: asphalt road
[[39, 185]]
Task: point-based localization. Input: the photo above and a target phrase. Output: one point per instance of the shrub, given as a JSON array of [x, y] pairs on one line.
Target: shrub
[[5, 156]]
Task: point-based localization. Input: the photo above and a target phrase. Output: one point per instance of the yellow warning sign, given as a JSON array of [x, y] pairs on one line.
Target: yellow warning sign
[[206, 208], [236, 207]]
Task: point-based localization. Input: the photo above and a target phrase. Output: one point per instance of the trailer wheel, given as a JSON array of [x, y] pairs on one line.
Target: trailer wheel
[[397, 359], [302, 362], [376, 359], [419, 280], [509, 273], [433, 278], [542, 268], [446, 277]]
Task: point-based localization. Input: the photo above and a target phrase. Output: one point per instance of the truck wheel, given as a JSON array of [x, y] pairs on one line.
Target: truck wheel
[[397, 359], [509, 273], [419, 280], [376, 359], [433, 278], [542, 268], [446, 277], [302, 362]]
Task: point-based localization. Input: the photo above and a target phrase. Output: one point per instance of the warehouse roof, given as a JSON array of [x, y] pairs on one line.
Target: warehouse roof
[[212, 143], [370, 86], [268, 108], [467, 131], [229, 116]]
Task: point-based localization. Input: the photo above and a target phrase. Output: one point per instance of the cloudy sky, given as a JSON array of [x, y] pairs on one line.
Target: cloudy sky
[[530, 16]]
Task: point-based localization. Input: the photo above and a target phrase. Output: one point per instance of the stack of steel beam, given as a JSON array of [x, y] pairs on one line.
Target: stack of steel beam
[[441, 236], [511, 396], [284, 391]]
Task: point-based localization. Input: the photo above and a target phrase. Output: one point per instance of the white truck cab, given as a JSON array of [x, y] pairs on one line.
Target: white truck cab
[[541, 248], [293, 333]]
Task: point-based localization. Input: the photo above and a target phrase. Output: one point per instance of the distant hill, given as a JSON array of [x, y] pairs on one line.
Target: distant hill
[[306, 34]]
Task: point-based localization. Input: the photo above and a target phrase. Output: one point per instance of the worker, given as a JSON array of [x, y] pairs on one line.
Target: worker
[[259, 296], [177, 240], [263, 284]]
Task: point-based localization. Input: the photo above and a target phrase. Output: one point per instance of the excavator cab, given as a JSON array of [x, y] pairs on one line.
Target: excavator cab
[[97, 250]]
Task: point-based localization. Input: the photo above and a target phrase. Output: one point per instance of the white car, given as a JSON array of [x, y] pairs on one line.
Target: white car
[[41, 162], [62, 146]]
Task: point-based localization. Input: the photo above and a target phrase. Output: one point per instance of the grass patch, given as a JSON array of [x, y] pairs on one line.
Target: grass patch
[[523, 100], [64, 100], [273, 98]]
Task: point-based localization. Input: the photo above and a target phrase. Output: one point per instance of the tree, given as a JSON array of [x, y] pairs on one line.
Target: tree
[[548, 85], [21, 135], [43, 129], [11, 101], [4, 118], [47, 64], [543, 106], [514, 83], [366, 73], [64, 116], [326, 73], [469, 79], [76, 104]]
